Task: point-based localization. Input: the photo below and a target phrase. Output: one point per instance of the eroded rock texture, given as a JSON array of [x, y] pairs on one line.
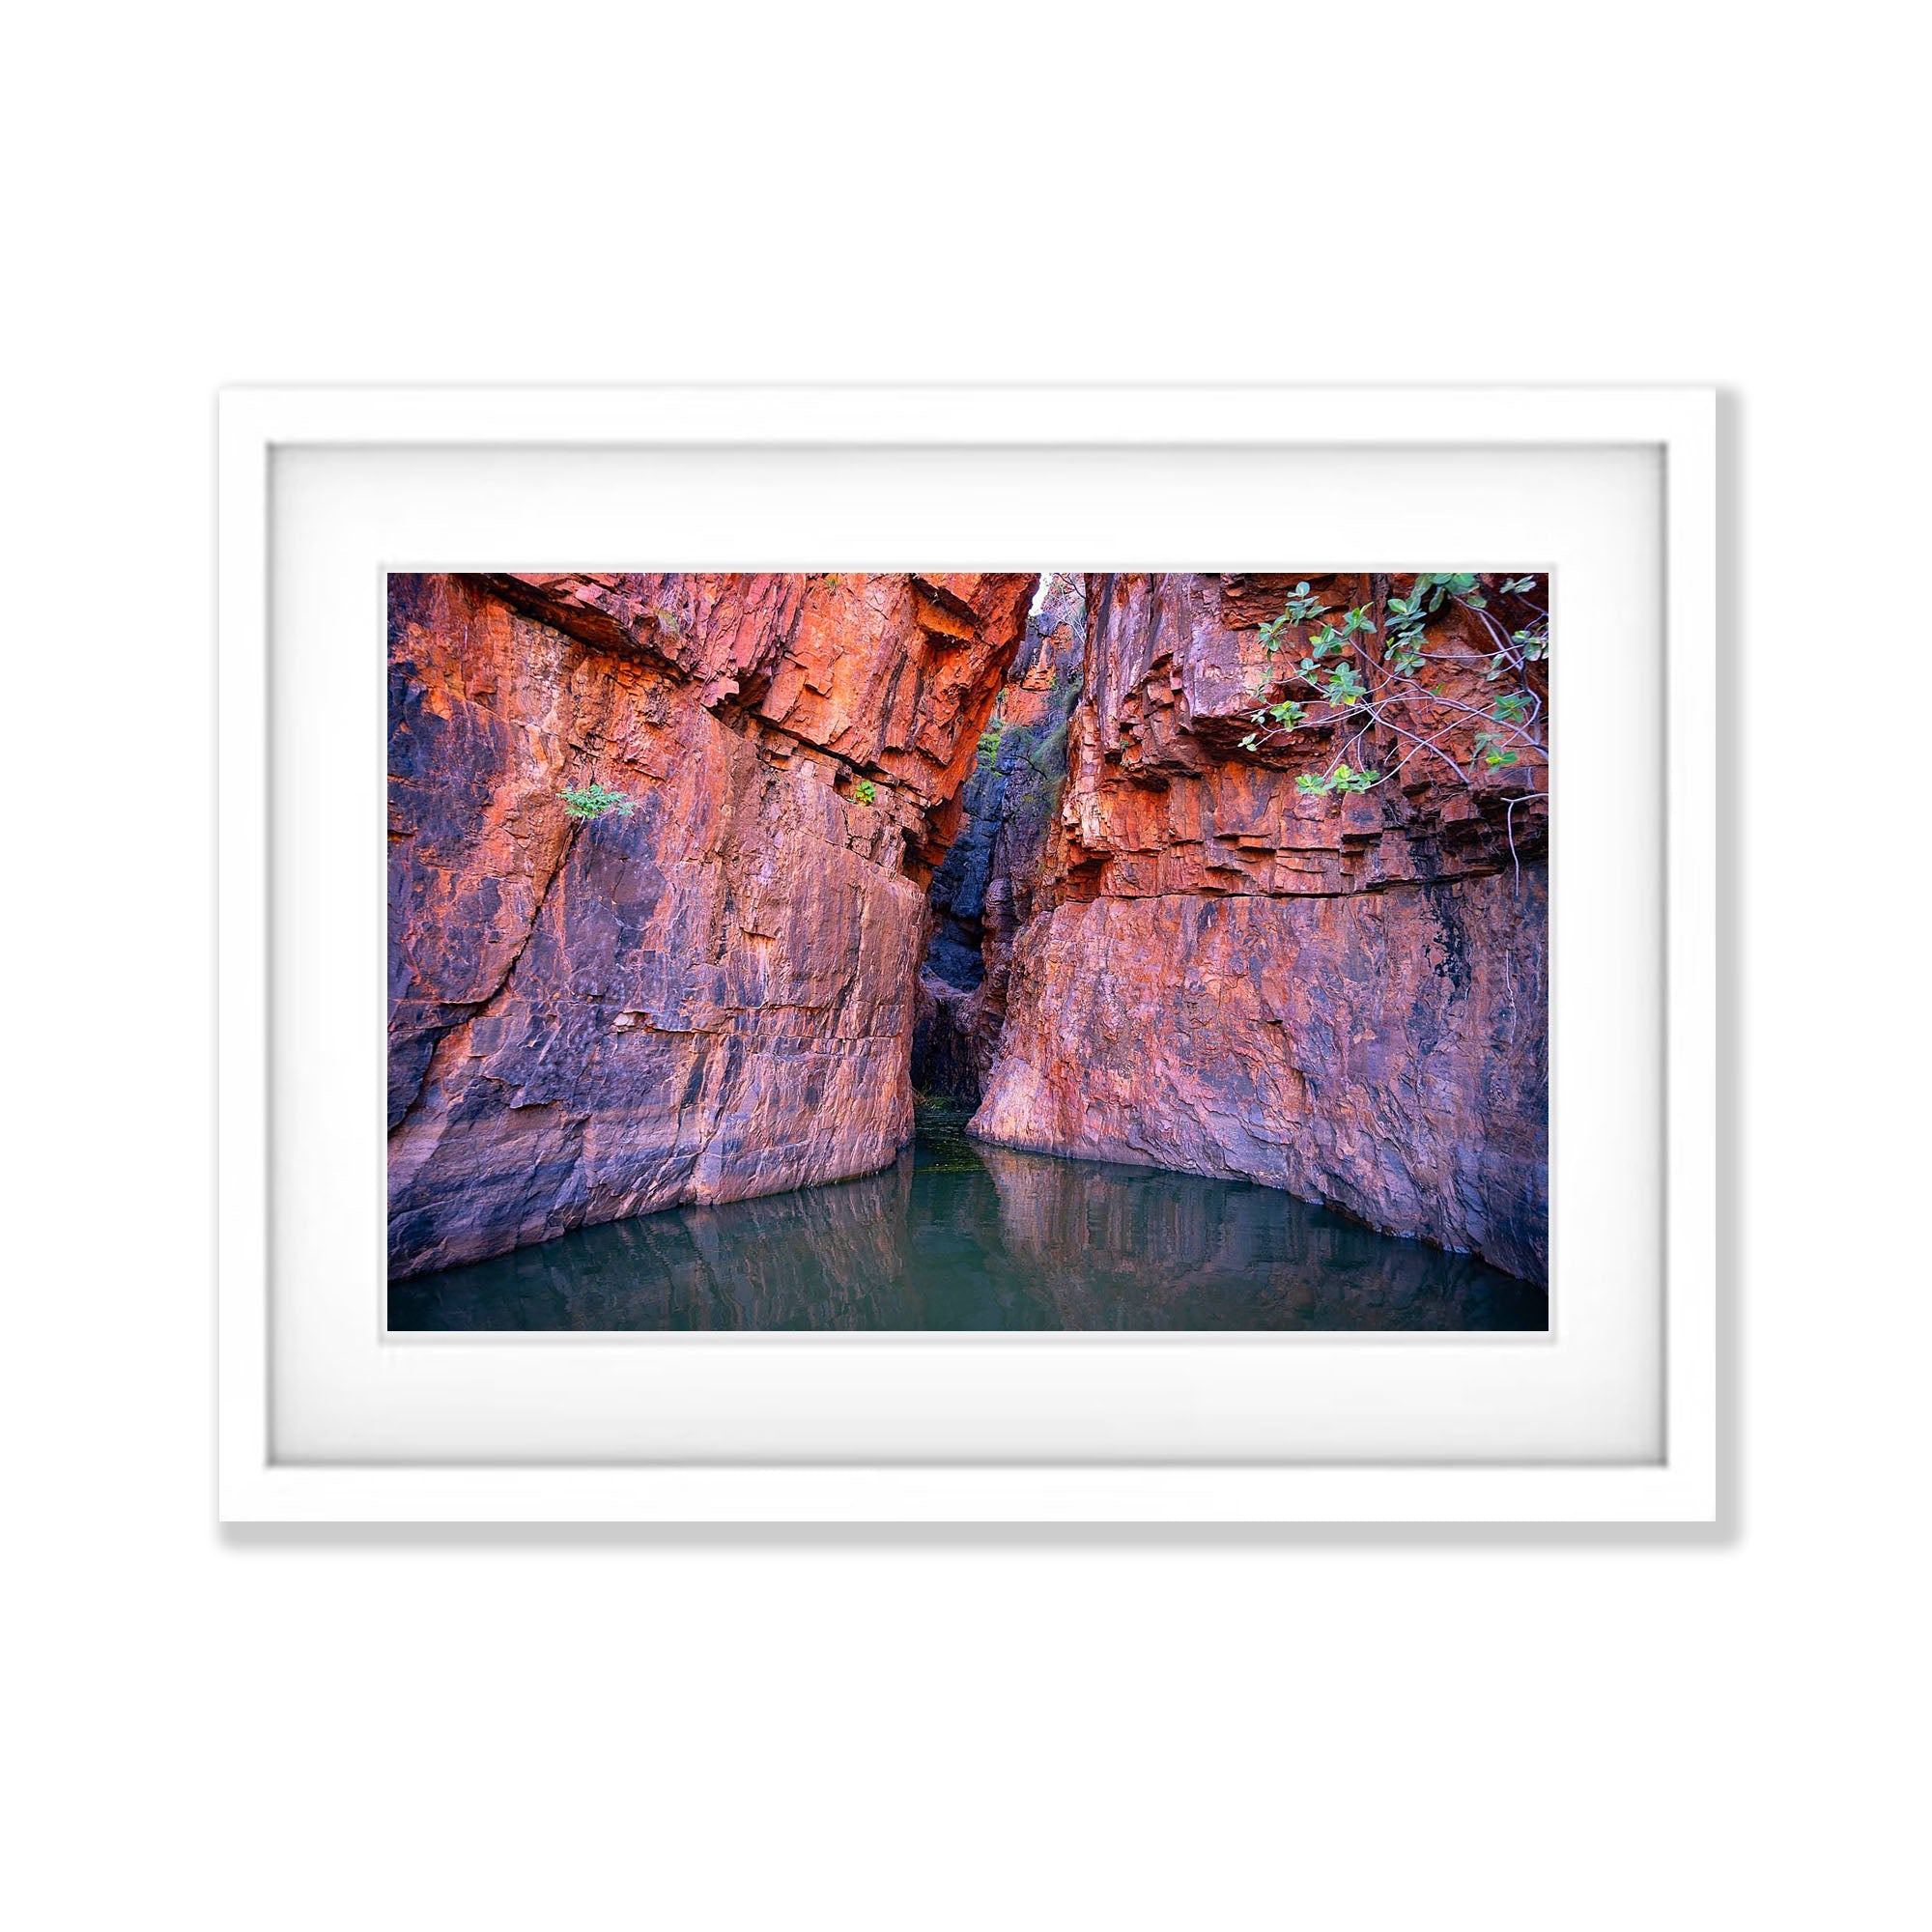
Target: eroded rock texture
[[987, 889], [712, 997], [1343, 997]]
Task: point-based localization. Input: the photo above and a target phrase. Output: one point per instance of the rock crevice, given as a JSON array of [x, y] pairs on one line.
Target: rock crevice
[[984, 892]]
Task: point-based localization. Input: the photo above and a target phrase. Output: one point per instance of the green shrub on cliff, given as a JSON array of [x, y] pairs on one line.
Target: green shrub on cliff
[[593, 801], [1368, 677], [1344, 777], [1049, 756], [865, 791]]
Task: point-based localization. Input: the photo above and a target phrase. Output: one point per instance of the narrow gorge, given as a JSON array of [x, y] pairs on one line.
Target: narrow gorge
[[1012, 842]]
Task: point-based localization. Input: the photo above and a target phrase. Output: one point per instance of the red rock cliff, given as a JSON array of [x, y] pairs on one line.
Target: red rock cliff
[[1341, 996], [711, 997]]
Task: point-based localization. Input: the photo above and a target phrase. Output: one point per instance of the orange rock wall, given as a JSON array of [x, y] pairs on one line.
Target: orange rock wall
[[709, 998], [1343, 997]]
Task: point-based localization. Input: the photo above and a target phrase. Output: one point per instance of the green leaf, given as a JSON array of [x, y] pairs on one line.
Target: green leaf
[[594, 801]]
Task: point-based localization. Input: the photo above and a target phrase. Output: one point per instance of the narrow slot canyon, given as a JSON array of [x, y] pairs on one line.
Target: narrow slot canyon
[[987, 888]]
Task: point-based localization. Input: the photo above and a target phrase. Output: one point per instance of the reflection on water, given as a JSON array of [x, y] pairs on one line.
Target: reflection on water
[[961, 1235]]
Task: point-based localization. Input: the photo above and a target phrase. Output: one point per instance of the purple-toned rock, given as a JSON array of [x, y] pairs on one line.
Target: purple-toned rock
[[706, 996], [1341, 996]]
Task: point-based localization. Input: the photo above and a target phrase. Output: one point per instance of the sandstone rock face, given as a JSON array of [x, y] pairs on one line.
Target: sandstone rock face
[[710, 997], [1145, 945], [1341, 996]]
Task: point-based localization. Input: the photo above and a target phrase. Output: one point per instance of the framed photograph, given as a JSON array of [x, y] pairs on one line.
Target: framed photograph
[[825, 955]]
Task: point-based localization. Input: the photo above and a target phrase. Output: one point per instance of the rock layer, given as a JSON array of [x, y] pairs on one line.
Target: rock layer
[[707, 997], [1343, 997]]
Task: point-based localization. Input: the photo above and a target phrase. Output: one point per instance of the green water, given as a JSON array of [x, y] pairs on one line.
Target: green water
[[960, 1236]]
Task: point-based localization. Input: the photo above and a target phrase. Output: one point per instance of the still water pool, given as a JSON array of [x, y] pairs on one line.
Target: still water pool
[[961, 1235]]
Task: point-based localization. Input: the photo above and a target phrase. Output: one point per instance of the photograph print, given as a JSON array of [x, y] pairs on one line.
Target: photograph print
[[968, 952]]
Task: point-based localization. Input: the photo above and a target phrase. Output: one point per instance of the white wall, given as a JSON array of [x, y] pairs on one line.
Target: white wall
[[587, 1730]]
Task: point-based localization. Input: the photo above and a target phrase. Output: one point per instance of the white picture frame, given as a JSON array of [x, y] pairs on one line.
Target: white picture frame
[[495, 433]]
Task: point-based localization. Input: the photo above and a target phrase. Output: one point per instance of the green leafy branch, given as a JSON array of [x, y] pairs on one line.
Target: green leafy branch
[[1343, 778], [1390, 689], [595, 801], [1301, 607]]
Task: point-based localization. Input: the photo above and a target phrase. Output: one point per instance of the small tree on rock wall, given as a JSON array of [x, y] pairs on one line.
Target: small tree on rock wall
[[585, 803], [1383, 681]]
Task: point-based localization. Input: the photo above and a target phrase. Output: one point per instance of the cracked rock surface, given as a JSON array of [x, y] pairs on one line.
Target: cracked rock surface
[[710, 997], [1345, 996]]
